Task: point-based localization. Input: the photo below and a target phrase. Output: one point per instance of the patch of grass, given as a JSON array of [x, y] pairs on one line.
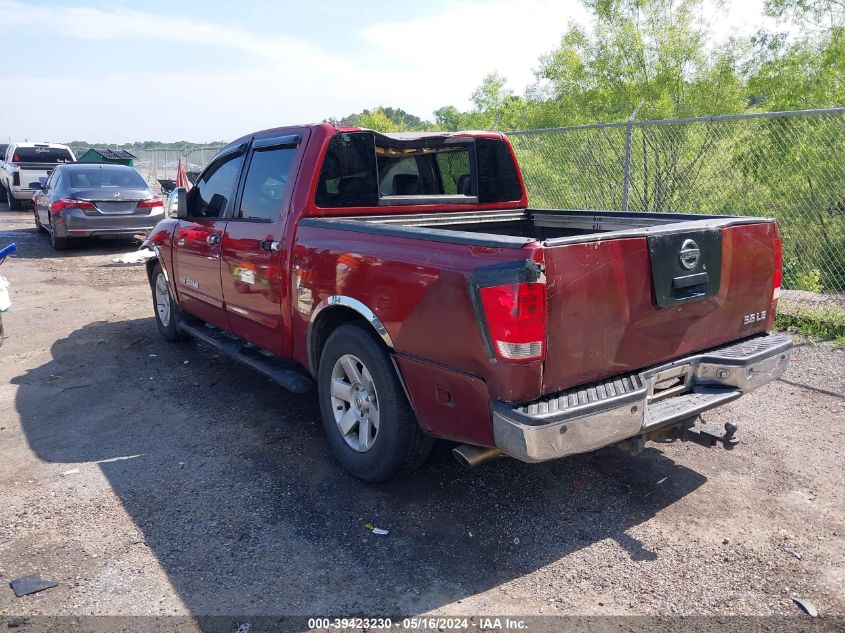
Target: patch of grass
[[818, 324]]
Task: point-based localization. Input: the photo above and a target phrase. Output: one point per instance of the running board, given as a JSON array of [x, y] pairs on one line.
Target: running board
[[274, 368]]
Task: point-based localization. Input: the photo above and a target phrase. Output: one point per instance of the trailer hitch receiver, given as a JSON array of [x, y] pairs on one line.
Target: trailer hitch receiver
[[708, 439]]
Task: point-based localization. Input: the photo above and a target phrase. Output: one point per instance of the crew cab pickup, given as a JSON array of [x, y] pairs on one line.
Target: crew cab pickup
[[27, 164], [406, 275]]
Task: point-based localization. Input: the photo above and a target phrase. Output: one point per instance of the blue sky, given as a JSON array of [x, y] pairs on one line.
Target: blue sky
[[121, 71]]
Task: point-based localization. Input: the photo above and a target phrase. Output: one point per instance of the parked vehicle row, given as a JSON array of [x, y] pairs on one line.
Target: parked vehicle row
[[407, 276], [73, 200]]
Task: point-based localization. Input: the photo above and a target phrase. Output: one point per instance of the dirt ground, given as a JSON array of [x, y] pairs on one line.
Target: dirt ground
[[152, 478]]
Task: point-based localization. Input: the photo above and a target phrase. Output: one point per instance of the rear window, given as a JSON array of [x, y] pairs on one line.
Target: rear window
[[42, 155], [96, 178], [362, 169]]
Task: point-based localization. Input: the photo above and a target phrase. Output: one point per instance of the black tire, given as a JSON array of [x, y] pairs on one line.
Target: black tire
[[58, 243], [3, 196], [14, 203], [38, 224], [399, 446], [169, 330]]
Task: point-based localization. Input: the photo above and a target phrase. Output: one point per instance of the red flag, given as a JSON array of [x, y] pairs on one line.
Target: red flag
[[182, 177]]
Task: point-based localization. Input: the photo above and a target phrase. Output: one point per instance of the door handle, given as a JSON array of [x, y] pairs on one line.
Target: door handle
[[212, 240], [268, 245]]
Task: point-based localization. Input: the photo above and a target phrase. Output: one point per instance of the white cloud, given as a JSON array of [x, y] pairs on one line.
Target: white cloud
[[446, 55], [418, 64], [127, 24]]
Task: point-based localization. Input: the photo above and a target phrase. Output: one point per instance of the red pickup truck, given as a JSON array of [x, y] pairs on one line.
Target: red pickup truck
[[407, 276]]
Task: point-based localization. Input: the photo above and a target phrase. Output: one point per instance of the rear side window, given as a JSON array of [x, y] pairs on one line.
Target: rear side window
[[41, 155], [348, 177], [213, 192], [266, 181]]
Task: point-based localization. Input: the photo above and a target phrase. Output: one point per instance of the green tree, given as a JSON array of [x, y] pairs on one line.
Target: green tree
[[647, 53], [814, 13], [384, 119]]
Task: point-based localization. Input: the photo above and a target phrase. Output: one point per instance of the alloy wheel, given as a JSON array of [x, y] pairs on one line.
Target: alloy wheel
[[162, 297], [355, 403]]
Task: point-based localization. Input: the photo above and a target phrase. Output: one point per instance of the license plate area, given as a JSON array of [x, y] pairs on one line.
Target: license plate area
[[669, 382], [121, 207]]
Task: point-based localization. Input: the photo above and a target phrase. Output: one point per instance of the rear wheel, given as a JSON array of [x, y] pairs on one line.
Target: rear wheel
[[166, 310], [38, 224], [59, 243], [14, 203], [366, 416]]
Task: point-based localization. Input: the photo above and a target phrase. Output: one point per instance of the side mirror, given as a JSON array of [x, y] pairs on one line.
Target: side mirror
[[177, 203], [36, 185]]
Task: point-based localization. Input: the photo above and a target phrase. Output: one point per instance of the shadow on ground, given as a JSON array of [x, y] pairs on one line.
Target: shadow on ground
[[33, 244], [229, 479]]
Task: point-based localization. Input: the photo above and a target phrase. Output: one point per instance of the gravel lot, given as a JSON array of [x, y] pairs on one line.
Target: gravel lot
[[153, 478]]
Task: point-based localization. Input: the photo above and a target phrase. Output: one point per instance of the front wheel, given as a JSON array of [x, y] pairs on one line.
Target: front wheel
[[368, 421], [166, 310]]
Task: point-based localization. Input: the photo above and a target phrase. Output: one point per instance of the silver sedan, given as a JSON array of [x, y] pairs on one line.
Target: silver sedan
[[90, 200]]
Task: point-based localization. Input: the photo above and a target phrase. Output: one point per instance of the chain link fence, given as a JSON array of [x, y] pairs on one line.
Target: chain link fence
[[789, 165], [161, 163]]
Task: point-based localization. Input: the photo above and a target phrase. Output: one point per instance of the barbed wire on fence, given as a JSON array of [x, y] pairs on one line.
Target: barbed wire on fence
[[789, 165]]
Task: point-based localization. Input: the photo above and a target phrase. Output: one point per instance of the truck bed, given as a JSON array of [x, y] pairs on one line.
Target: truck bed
[[514, 229], [619, 298]]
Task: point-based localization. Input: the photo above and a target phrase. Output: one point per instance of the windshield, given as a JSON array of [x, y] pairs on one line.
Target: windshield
[[42, 155], [98, 178]]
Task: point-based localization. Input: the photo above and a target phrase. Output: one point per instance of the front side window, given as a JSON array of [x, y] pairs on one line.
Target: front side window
[[266, 181], [454, 172], [399, 177], [52, 179], [213, 192]]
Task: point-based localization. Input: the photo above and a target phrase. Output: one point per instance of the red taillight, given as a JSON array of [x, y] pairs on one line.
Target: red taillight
[[16, 159], [70, 203], [516, 319], [149, 204], [778, 278]]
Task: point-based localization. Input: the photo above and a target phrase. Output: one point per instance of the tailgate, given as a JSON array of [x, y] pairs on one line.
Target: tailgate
[[622, 304], [29, 173]]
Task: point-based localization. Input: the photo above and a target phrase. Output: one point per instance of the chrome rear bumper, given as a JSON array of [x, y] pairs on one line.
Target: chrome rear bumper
[[600, 414]]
